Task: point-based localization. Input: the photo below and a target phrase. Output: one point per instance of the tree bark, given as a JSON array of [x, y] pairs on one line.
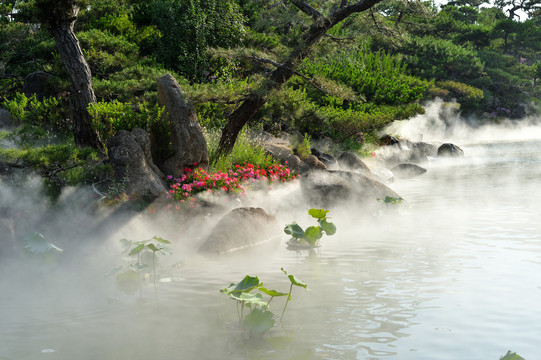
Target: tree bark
[[81, 82], [283, 73]]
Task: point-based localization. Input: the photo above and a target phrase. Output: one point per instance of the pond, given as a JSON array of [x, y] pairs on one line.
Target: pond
[[453, 272]]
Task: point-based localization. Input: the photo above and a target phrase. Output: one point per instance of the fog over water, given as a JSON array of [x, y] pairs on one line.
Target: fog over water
[[452, 272]]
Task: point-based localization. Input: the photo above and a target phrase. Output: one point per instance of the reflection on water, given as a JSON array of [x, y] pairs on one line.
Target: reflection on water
[[452, 273]]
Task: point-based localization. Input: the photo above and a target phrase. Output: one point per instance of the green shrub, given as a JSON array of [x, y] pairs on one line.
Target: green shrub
[[431, 57], [468, 96], [110, 117], [379, 77], [247, 149], [49, 115]]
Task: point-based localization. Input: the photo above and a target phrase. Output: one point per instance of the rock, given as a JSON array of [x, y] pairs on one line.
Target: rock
[[296, 164], [422, 148], [450, 150], [327, 188], [281, 151], [241, 228], [189, 144], [394, 155], [327, 159], [36, 83], [406, 171], [350, 161], [388, 140], [314, 163], [5, 118], [129, 154]]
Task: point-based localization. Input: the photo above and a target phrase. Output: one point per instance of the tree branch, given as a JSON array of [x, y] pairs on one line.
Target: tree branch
[[307, 9]]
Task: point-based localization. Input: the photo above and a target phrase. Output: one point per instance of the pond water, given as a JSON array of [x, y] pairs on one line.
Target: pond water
[[454, 272]]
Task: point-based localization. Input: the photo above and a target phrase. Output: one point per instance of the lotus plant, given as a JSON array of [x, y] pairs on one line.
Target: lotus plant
[[310, 237]]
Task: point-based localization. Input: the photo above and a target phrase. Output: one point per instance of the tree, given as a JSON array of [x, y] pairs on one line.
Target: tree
[[512, 6], [283, 72], [59, 17]]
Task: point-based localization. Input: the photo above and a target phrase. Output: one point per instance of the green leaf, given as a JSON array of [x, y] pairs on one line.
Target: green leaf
[[246, 285], [272, 293], [328, 227], [153, 247], [294, 230], [294, 280], [126, 244], [37, 244], [136, 250], [318, 213], [128, 282], [258, 322], [511, 356], [162, 241], [247, 298], [313, 234]]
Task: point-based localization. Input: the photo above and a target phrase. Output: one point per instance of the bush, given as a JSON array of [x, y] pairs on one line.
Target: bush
[[379, 77], [468, 96], [430, 57], [48, 114], [110, 117]]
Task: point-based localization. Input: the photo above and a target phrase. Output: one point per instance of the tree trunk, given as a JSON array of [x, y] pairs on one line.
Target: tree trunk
[[283, 73], [82, 92]]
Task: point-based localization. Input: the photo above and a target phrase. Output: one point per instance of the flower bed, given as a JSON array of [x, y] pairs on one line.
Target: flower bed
[[197, 180]]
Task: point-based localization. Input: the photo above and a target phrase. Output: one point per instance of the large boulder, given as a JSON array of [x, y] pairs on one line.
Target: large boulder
[[36, 83], [450, 150], [327, 159], [241, 228], [350, 161], [328, 188], [189, 144], [5, 118], [406, 171], [130, 156]]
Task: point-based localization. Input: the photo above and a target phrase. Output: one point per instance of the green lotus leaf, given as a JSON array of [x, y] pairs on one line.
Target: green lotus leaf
[[294, 230], [313, 234], [294, 280], [318, 213], [258, 322], [328, 227]]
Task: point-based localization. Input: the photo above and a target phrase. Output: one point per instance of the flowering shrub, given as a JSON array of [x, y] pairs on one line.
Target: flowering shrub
[[230, 182]]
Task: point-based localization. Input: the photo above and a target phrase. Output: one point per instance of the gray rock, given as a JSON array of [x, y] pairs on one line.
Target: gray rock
[[350, 161], [129, 154], [5, 118], [36, 83], [328, 188], [327, 159], [313, 162], [450, 150], [189, 144], [406, 171], [241, 228]]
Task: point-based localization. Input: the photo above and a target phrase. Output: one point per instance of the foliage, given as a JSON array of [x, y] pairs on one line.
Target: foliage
[[430, 57], [247, 149], [130, 279], [303, 149], [189, 27], [312, 234], [260, 319], [48, 114], [511, 356], [110, 117], [468, 96], [37, 244], [379, 77], [391, 200]]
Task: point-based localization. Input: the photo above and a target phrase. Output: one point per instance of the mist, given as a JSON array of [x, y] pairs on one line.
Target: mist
[[450, 272]]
